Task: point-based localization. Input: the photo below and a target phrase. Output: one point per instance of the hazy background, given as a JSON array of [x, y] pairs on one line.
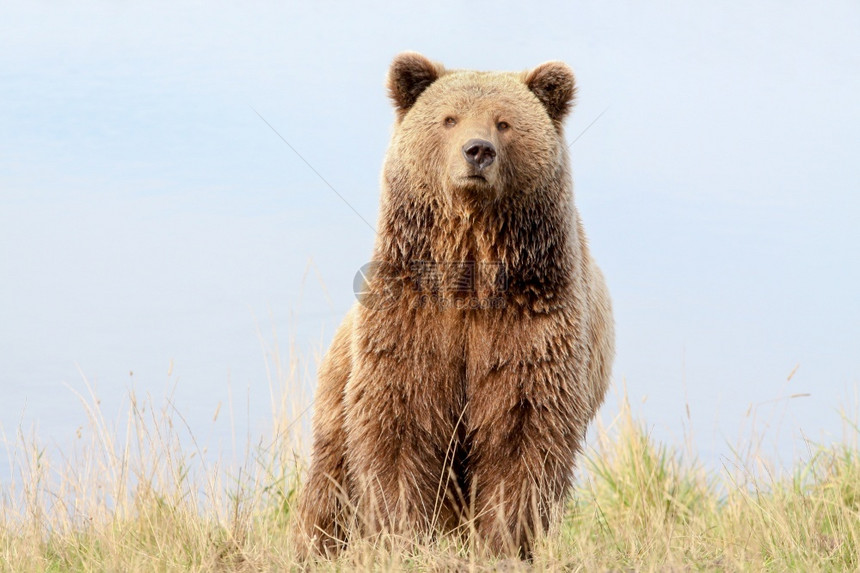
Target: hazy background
[[148, 217]]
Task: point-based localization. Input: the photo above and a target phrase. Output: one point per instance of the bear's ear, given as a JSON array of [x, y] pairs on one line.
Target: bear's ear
[[410, 74], [554, 85]]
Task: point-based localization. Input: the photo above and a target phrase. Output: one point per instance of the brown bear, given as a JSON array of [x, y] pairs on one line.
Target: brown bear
[[457, 392]]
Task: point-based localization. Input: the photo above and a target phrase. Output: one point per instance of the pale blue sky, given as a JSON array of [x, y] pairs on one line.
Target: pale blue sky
[[148, 215]]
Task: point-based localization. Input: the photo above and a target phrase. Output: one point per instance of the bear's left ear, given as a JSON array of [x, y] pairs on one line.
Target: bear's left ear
[[554, 85], [410, 74]]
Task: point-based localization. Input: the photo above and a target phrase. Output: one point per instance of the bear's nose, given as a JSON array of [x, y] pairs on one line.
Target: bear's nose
[[479, 152]]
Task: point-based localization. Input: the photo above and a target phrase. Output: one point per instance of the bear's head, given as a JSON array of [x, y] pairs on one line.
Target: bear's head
[[477, 135]]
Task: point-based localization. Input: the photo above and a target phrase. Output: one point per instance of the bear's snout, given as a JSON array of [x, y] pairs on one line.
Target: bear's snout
[[479, 153]]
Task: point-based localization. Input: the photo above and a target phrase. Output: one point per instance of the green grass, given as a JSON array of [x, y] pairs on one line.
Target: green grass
[[131, 497]]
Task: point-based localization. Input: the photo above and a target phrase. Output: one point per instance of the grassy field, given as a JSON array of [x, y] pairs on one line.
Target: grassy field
[[140, 498]]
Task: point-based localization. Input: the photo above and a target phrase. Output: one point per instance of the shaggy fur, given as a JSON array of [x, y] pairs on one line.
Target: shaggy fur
[[457, 398]]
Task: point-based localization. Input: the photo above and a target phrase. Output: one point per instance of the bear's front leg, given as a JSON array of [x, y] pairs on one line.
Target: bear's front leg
[[527, 411], [322, 511], [403, 403]]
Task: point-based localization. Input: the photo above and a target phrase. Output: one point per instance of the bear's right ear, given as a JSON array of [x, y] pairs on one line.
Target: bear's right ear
[[554, 85], [410, 74]]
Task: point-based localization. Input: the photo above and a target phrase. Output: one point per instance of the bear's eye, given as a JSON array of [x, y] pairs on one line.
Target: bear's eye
[[450, 122], [502, 126]]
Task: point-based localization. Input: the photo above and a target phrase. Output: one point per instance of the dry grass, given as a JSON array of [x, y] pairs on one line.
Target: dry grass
[[146, 497]]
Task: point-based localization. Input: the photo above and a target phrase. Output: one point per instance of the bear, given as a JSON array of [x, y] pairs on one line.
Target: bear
[[456, 394]]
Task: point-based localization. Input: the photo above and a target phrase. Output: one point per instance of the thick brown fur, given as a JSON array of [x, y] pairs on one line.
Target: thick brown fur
[[464, 408]]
